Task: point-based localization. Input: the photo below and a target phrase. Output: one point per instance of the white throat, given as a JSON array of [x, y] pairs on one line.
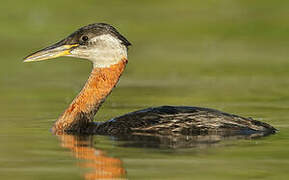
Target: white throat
[[103, 51]]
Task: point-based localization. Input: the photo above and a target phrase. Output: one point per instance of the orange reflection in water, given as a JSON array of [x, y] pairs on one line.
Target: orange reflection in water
[[104, 167]]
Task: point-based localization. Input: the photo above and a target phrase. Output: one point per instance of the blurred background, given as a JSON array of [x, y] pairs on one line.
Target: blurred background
[[223, 54]]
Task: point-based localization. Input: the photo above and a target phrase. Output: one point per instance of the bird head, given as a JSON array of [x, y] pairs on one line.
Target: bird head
[[100, 43]]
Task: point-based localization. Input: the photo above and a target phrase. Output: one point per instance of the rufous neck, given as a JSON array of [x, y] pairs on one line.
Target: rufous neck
[[83, 108]]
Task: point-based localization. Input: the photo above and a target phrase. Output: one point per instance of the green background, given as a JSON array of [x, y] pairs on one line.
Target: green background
[[231, 55]]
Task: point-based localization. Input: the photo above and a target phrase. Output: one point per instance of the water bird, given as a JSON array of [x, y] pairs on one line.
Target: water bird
[[107, 49]]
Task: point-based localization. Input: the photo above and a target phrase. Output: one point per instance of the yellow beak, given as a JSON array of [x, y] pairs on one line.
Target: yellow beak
[[56, 50]]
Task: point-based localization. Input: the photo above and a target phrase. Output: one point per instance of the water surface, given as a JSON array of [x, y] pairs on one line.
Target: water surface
[[228, 55]]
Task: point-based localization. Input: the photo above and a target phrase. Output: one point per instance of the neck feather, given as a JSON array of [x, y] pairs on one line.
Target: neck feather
[[83, 108]]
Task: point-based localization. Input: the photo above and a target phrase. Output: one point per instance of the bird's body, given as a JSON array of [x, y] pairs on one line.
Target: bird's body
[[179, 120], [107, 49]]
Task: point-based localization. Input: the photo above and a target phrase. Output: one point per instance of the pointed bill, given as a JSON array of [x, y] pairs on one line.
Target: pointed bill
[[56, 50]]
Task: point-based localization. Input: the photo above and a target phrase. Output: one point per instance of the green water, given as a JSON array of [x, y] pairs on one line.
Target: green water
[[228, 55]]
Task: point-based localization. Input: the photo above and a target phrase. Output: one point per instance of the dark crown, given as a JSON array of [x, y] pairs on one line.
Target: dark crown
[[97, 29]]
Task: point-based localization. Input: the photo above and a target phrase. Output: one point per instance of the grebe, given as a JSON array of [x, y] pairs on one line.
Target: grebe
[[107, 49]]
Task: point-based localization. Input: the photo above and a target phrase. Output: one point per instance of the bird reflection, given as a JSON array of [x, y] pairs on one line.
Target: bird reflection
[[104, 167], [178, 141]]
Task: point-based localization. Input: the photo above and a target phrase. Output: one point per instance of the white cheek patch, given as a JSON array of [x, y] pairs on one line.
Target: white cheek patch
[[104, 51]]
